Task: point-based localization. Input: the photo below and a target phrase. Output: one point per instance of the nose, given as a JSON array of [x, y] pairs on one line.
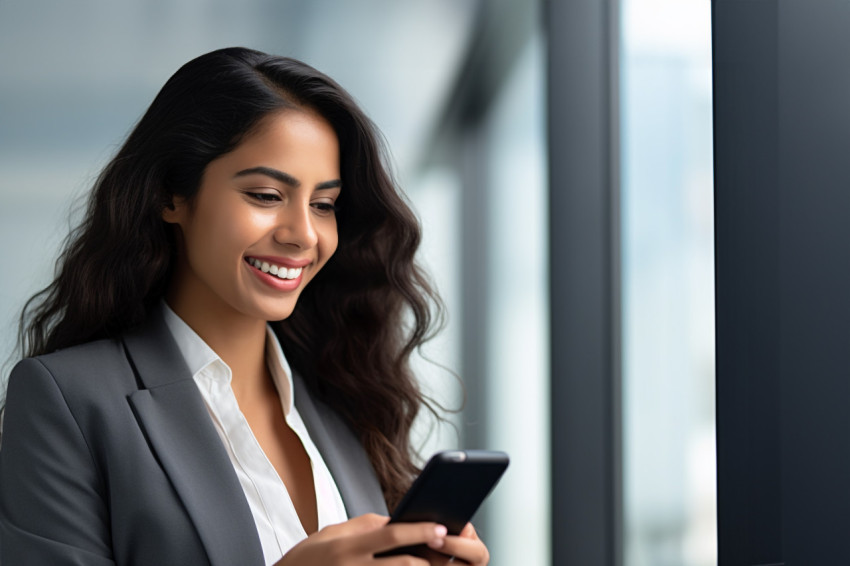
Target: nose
[[295, 227]]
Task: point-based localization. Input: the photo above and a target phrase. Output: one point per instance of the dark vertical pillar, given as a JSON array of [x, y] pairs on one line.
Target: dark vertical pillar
[[747, 280], [814, 206], [584, 261], [782, 172]]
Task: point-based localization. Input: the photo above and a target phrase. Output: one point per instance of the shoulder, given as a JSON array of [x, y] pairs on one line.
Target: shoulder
[[86, 372], [82, 358]]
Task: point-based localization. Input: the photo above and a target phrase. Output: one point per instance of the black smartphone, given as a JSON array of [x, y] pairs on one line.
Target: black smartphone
[[450, 489]]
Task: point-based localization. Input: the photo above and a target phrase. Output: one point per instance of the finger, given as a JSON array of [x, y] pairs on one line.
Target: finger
[[469, 532], [403, 534], [355, 526], [403, 561], [436, 558], [367, 522], [469, 550]]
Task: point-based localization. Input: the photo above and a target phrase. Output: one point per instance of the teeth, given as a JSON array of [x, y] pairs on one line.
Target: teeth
[[280, 271]]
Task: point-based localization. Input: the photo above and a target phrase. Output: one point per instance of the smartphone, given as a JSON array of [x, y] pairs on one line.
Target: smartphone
[[449, 491]]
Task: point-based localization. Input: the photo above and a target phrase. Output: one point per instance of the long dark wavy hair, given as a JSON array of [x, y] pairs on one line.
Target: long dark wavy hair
[[355, 325]]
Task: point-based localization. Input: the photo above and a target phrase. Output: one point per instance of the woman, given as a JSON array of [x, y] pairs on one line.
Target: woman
[[160, 417]]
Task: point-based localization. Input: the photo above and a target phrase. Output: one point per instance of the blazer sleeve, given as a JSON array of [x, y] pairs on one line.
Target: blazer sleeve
[[52, 503]]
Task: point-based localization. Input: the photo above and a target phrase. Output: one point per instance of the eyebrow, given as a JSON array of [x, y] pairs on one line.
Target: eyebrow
[[286, 178]]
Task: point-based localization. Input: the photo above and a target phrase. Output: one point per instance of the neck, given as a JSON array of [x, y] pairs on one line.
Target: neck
[[239, 340]]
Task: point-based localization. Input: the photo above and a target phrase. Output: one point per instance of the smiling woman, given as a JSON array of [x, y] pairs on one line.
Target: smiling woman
[[219, 373], [268, 202]]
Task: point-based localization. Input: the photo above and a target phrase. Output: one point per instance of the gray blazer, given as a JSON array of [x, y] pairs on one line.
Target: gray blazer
[[109, 457]]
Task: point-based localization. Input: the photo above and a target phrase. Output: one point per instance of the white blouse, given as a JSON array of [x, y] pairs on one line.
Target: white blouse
[[274, 514]]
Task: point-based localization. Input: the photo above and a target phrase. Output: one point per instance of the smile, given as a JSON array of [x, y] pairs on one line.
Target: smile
[[278, 270]]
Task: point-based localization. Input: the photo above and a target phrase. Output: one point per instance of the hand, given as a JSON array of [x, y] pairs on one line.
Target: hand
[[355, 542], [466, 548]]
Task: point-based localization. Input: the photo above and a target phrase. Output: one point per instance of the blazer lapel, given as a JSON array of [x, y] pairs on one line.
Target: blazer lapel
[[172, 414], [344, 456]]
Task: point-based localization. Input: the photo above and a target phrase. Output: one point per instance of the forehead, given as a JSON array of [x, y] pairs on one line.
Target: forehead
[[297, 120], [298, 137]]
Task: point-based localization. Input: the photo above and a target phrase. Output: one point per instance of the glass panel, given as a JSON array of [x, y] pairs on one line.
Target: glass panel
[[668, 284], [515, 519], [518, 333], [436, 197]]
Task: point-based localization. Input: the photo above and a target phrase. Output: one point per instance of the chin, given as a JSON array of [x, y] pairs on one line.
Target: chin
[[266, 312], [273, 315], [280, 318]]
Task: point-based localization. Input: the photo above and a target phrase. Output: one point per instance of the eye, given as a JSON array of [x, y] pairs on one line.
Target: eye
[[263, 197], [324, 208]]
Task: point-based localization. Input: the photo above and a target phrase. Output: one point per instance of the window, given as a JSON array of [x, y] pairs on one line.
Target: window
[[668, 284]]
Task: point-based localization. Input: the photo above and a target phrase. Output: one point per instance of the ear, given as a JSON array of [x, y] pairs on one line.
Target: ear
[[175, 211]]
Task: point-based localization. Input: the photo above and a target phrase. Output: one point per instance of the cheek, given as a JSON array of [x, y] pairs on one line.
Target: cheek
[[328, 241], [331, 241], [230, 233]]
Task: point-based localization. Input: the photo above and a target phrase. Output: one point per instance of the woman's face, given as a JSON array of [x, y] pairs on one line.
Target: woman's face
[[262, 223]]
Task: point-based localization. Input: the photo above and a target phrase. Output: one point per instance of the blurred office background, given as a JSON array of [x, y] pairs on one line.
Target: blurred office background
[[458, 87]]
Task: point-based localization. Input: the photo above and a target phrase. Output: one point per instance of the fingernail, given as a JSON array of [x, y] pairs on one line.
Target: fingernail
[[437, 543], [441, 531]]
